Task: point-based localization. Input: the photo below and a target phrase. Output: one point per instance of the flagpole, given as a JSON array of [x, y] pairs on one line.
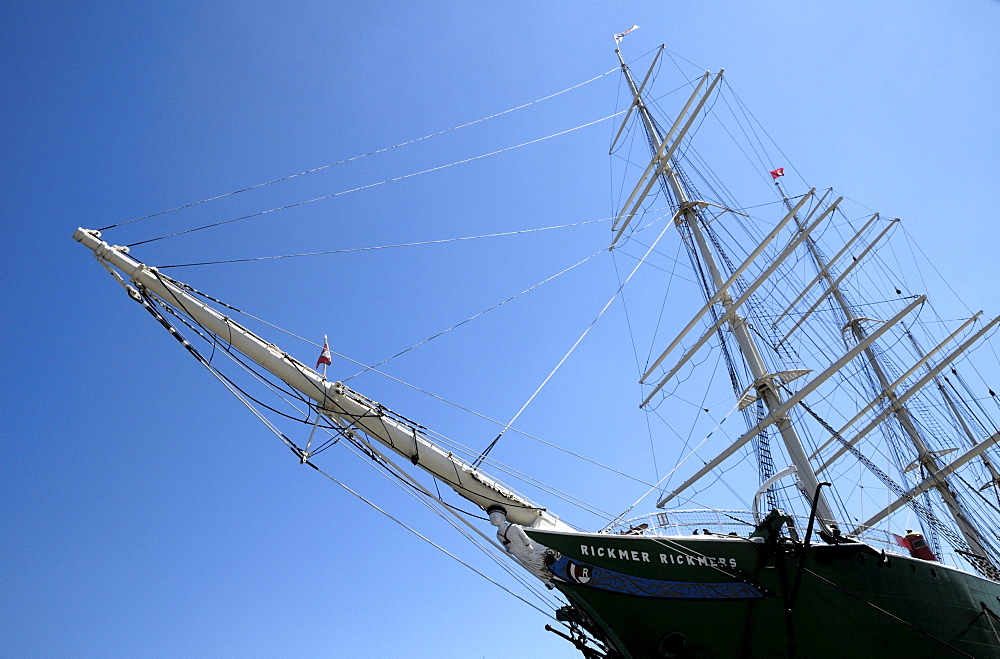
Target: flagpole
[[324, 359]]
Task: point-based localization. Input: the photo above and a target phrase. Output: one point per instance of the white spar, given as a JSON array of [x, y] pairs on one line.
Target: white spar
[[333, 398]]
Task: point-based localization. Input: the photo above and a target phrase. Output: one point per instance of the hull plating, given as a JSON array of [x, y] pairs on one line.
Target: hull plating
[[719, 596]]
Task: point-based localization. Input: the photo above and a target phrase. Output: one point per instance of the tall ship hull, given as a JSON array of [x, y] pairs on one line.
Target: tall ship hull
[[726, 596]]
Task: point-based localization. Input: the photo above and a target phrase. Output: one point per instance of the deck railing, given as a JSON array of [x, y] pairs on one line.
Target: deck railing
[[731, 522]]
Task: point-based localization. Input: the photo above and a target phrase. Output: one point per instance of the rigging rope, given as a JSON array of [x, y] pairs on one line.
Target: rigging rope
[[378, 183], [431, 542], [144, 299], [572, 348], [215, 341], [364, 155], [377, 247], [471, 318], [438, 506], [671, 472], [375, 370], [983, 564]]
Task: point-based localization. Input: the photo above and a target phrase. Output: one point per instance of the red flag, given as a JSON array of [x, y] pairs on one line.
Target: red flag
[[902, 542], [775, 173], [324, 357]]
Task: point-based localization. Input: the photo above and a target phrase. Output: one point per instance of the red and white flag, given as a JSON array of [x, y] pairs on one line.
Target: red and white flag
[[775, 173], [324, 357]]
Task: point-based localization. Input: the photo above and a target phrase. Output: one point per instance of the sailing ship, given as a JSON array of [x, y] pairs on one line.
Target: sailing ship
[[842, 375]]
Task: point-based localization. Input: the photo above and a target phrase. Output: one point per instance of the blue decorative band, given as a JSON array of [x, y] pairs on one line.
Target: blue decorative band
[[604, 579]]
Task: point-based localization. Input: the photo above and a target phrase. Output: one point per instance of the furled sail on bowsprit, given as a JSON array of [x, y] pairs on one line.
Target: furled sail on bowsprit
[[346, 408]]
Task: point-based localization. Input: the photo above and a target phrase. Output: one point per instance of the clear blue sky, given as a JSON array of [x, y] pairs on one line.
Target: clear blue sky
[[144, 512]]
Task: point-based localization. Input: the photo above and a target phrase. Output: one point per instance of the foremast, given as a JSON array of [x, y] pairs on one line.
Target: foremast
[[347, 409], [688, 216]]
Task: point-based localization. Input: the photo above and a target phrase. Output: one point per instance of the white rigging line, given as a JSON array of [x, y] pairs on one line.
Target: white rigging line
[[437, 506], [420, 243], [270, 426], [671, 472], [431, 542], [460, 448], [495, 421], [481, 313], [525, 478], [375, 370], [573, 347], [378, 183], [366, 155]]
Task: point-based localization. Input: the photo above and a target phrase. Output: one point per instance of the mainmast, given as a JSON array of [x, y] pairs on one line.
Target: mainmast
[[764, 382], [925, 457]]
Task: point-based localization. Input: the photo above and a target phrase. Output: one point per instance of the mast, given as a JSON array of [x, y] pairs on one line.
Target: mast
[[764, 382], [925, 457], [960, 419]]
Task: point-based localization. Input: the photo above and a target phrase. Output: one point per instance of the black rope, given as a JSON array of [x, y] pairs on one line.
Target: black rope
[[482, 456], [235, 357], [148, 303], [983, 564]]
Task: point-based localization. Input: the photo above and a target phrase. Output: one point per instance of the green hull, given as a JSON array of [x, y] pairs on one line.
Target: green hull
[[720, 596]]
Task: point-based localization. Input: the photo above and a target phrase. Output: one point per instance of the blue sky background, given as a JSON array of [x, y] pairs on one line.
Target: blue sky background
[[145, 513]]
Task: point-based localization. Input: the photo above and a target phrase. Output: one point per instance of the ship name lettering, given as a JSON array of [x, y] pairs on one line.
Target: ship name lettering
[[611, 552], [708, 561], [667, 559]]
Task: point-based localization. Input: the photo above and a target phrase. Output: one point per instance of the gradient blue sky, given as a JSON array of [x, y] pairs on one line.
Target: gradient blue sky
[[144, 512]]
